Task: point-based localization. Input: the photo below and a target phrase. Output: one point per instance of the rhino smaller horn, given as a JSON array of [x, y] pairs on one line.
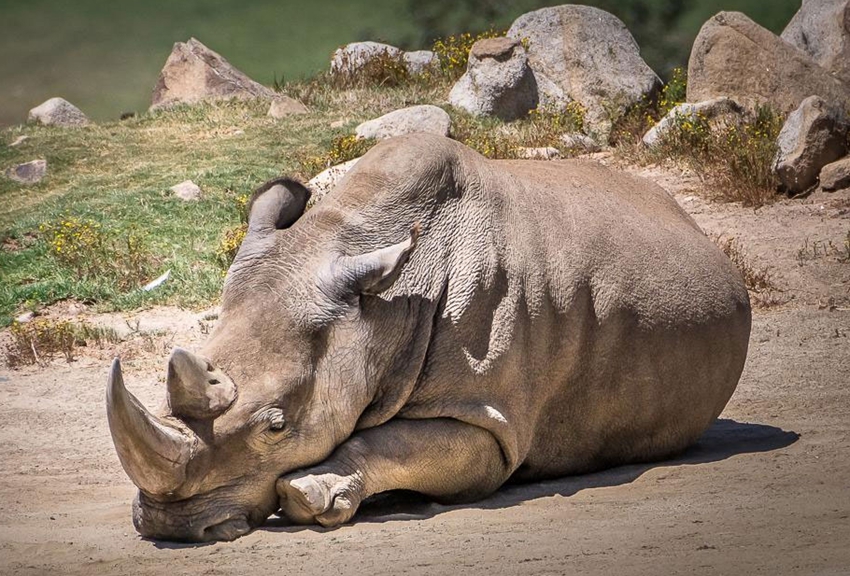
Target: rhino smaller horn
[[153, 453], [196, 389]]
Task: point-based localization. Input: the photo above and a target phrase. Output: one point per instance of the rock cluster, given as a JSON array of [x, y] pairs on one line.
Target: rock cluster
[[354, 57]]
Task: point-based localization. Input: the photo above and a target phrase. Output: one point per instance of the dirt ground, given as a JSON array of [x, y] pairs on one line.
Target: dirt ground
[[765, 491]]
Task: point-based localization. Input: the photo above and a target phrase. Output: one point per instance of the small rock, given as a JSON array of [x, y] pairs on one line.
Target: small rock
[[19, 140], [578, 141], [836, 176], [498, 81], [187, 191], [715, 111], [338, 123], [29, 172], [543, 153], [424, 118], [194, 73], [57, 112], [812, 137], [25, 317], [420, 61], [285, 106], [325, 181]]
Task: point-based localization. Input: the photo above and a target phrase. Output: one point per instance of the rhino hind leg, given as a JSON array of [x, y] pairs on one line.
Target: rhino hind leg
[[445, 459]]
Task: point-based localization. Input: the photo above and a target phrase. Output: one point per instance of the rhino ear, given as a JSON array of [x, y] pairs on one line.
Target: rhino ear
[[376, 271], [276, 205]]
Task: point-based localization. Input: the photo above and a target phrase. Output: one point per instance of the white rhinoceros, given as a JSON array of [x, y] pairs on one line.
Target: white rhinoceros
[[439, 323]]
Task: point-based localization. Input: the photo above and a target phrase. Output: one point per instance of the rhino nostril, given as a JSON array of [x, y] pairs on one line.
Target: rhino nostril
[[213, 381]]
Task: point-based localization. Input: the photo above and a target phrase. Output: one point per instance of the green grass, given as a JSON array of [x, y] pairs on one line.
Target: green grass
[[118, 174]]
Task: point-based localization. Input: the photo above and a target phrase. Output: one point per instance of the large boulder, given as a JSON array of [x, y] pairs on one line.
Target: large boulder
[[194, 73], [836, 176], [821, 29], [585, 54], [813, 136], [28, 172], [498, 81], [717, 112], [57, 112], [424, 118], [735, 57]]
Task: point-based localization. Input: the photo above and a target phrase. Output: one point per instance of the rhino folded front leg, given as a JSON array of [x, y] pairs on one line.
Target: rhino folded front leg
[[328, 499]]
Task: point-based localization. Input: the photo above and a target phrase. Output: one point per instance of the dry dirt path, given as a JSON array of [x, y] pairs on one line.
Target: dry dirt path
[[766, 491]]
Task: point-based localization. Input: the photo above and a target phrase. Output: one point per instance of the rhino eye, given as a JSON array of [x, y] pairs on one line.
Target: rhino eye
[[276, 421]]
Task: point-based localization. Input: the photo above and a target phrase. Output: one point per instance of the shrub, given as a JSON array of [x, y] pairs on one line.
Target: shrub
[[92, 251], [341, 149], [383, 69], [41, 339], [540, 128], [229, 244], [628, 128], [674, 92], [453, 51], [735, 160]]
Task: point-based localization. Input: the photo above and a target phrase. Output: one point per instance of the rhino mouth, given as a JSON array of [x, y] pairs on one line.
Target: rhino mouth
[[177, 522]]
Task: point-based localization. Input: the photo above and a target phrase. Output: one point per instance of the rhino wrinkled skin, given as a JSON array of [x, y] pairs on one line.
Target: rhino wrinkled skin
[[439, 323]]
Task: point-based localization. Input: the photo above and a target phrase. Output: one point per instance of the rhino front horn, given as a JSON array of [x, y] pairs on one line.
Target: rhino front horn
[[153, 453], [196, 389]]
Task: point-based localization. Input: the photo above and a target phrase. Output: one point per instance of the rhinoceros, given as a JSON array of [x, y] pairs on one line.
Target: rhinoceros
[[440, 323]]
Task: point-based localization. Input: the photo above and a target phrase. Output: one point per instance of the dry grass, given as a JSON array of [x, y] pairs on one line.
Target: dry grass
[[758, 279], [42, 339], [822, 249]]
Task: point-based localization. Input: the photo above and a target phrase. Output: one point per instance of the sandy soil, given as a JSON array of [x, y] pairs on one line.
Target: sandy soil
[[765, 491]]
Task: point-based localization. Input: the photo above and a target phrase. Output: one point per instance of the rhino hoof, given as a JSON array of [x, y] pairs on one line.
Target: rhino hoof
[[325, 499]]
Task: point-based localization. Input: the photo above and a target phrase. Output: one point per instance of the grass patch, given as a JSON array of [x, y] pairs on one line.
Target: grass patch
[[541, 128], [112, 182]]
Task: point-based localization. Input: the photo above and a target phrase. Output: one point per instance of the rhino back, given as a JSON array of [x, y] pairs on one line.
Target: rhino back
[[579, 314]]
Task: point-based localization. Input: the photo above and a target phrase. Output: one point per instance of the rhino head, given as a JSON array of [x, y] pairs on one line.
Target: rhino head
[[283, 379]]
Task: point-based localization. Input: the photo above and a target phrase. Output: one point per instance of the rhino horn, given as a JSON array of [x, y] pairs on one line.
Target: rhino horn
[[196, 389], [154, 454]]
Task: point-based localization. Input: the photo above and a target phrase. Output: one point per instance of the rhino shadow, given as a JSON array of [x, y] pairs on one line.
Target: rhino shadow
[[724, 439]]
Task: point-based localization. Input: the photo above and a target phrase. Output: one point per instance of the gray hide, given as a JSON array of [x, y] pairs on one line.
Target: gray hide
[[542, 319]]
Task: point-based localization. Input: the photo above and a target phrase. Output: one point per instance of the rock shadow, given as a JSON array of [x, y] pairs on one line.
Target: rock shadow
[[724, 439]]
